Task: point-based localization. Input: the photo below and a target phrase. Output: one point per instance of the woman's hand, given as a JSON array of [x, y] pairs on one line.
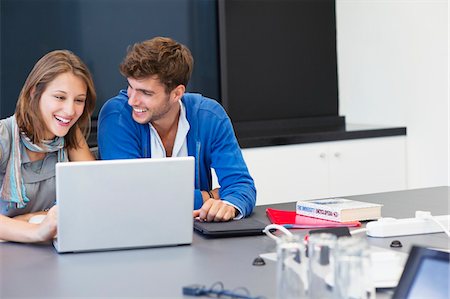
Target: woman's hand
[[46, 230], [27, 217], [12, 229]]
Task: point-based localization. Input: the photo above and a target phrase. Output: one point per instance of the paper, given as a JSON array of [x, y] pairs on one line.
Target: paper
[[290, 219]]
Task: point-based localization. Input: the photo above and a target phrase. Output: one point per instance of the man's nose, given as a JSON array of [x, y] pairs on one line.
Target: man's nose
[[132, 100]]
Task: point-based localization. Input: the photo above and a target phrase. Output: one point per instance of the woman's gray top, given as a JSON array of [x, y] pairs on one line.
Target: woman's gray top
[[38, 176]]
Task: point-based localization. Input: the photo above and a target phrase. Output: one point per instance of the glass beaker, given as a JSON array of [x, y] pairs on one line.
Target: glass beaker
[[352, 274], [292, 267], [321, 265]]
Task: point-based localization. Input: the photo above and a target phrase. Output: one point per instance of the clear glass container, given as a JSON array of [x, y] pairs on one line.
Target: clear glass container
[[292, 268], [321, 265], [352, 269]]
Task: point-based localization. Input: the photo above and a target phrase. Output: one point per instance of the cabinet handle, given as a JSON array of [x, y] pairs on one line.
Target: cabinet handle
[[337, 154], [322, 155]]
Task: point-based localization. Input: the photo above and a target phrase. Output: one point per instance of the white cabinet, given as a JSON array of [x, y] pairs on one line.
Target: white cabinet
[[326, 169]]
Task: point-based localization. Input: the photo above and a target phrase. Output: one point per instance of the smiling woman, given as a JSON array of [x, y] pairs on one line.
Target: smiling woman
[[62, 104], [49, 126]]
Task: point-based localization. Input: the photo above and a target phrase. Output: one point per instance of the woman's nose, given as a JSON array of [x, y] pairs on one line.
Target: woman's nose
[[69, 108]]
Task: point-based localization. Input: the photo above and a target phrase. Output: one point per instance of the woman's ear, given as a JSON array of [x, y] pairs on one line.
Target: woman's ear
[[33, 91]]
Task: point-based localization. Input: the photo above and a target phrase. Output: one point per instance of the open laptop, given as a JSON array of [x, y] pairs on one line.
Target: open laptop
[[426, 275], [118, 204]]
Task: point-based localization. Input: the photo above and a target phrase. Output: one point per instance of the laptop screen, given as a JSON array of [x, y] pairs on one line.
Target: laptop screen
[[426, 275]]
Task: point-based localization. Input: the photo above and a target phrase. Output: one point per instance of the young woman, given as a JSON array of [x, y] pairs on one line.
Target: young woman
[[50, 124]]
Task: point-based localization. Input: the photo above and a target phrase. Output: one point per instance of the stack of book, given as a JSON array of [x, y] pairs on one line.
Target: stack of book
[[321, 213], [339, 209]]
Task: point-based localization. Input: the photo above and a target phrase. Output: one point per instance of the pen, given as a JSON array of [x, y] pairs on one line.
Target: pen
[[296, 226], [313, 226]]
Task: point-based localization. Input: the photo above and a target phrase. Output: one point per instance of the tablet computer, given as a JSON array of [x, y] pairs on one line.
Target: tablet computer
[[235, 228], [426, 275]]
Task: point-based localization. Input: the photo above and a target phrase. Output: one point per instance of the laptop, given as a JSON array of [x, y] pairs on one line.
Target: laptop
[[236, 228], [426, 275], [120, 204]]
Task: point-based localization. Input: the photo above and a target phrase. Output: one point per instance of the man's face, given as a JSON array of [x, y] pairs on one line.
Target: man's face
[[149, 99]]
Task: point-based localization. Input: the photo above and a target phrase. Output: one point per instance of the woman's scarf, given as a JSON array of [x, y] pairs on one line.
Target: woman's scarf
[[13, 189]]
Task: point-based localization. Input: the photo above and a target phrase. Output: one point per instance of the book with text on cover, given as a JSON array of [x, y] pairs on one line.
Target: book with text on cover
[[339, 209], [290, 219]]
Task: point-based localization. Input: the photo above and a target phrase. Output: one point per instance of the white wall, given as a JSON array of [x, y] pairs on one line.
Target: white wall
[[393, 70]]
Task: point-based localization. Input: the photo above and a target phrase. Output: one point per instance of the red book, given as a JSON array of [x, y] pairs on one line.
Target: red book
[[290, 219]]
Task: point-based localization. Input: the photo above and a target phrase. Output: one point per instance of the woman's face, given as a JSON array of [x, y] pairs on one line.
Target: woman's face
[[62, 104]]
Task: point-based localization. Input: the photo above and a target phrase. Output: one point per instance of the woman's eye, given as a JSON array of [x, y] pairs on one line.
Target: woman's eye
[[80, 101], [59, 97]]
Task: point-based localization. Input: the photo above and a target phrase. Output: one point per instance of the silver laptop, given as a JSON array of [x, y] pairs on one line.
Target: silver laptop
[[118, 204]]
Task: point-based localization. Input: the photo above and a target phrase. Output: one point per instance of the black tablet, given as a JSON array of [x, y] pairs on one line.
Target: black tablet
[[426, 275], [337, 231], [234, 228]]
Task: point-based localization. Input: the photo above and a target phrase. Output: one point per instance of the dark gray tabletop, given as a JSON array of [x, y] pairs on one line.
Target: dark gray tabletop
[[37, 271]]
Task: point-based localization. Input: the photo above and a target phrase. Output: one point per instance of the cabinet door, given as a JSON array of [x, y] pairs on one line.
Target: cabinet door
[[367, 165], [288, 173]]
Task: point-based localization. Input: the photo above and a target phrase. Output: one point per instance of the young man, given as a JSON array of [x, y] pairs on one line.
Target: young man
[[155, 118]]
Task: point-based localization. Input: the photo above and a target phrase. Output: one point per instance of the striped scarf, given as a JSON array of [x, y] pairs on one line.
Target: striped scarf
[[12, 189]]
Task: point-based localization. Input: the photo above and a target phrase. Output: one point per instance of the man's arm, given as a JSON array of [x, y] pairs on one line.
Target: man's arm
[[237, 186], [118, 134]]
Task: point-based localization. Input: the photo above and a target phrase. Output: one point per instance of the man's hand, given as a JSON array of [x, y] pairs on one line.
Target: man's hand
[[215, 210], [215, 193]]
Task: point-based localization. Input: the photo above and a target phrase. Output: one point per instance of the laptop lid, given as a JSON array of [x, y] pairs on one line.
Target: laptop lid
[[117, 204], [426, 275]]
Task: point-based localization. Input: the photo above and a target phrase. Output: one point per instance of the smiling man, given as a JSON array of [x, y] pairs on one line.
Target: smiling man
[[156, 118]]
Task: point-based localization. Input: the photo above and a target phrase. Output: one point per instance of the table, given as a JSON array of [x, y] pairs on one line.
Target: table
[[37, 271]]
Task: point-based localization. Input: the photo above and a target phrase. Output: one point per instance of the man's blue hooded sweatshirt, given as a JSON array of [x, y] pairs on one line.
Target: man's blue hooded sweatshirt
[[211, 140]]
